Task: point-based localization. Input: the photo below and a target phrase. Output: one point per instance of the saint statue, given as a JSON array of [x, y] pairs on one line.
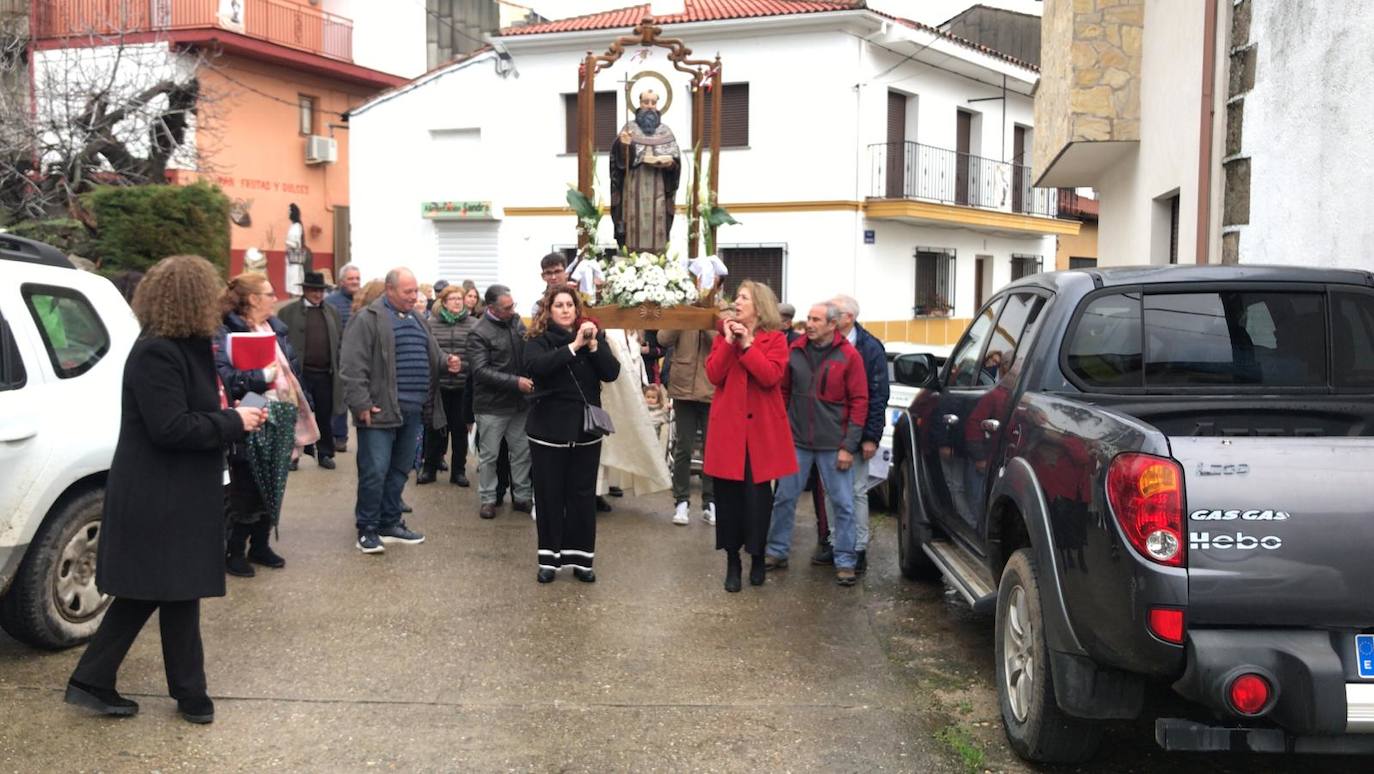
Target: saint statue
[[645, 168]]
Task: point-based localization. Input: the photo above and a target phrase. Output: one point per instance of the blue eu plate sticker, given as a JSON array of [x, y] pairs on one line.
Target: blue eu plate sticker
[[1364, 653]]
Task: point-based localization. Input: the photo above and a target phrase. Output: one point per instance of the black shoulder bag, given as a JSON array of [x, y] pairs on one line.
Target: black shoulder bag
[[595, 420]]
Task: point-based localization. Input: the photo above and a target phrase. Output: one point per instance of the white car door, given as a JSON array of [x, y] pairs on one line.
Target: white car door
[[23, 450]]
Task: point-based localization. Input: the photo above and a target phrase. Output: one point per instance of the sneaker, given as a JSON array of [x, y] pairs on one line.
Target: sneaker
[[370, 543], [845, 577], [681, 516], [771, 563], [708, 513], [399, 533], [327, 463]]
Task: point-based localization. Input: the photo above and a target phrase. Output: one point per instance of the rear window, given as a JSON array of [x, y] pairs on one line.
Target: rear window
[[12, 375], [1352, 318], [1207, 339], [71, 329]]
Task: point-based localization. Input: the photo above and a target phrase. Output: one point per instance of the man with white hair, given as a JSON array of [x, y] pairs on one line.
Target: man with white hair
[[390, 370], [874, 356], [341, 298]]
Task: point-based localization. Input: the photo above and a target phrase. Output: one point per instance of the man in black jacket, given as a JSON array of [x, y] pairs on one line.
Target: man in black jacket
[[499, 399], [314, 330]]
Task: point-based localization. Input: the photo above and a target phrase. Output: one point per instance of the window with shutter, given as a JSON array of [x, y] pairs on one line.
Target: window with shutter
[[758, 263], [1025, 265], [734, 119], [934, 281], [604, 128]]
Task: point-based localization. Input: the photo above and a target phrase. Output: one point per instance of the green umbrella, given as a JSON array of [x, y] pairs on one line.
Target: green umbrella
[[269, 455]]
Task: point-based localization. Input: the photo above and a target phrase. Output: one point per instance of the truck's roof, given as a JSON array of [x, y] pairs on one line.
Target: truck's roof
[[1140, 275]]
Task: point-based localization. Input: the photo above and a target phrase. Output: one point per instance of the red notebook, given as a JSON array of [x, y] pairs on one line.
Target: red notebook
[[251, 351]]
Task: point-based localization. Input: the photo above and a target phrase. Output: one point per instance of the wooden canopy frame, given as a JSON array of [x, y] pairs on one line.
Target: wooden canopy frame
[[705, 77]]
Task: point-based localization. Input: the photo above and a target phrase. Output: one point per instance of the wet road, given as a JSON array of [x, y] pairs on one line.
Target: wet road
[[448, 656]]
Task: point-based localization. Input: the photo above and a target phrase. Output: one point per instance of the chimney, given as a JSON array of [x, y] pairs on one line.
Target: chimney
[[667, 7]]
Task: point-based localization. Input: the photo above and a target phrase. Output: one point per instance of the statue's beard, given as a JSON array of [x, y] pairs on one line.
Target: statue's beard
[[648, 120]]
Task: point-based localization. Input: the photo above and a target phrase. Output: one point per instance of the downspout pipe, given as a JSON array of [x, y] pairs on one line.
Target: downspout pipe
[[1206, 124]]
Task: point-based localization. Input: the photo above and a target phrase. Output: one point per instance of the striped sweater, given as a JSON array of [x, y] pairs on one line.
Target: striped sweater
[[412, 356]]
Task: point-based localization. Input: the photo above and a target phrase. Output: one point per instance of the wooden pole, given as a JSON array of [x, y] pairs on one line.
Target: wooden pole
[[586, 136], [693, 196], [717, 91]]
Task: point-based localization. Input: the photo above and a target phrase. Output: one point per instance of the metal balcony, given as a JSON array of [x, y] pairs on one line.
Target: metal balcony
[[910, 170], [286, 24]]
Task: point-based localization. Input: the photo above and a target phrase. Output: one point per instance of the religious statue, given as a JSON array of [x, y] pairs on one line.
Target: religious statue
[[646, 166]]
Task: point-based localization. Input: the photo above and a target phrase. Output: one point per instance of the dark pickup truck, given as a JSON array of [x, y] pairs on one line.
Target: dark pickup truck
[[1158, 475]]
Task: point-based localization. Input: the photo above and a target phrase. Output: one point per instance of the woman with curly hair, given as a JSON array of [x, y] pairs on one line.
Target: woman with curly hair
[[247, 305], [162, 531], [567, 357]]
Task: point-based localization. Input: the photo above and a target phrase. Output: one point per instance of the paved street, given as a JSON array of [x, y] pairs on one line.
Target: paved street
[[448, 656]]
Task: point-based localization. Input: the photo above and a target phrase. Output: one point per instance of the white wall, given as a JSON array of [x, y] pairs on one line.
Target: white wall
[[467, 134], [1307, 132], [1167, 157], [387, 36]]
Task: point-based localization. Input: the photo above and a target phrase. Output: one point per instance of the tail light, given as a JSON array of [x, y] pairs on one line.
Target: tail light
[[1166, 623], [1249, 694], [1146, 494]]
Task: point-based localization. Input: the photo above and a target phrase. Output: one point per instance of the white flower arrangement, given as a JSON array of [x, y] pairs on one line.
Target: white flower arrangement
[[645, 278]]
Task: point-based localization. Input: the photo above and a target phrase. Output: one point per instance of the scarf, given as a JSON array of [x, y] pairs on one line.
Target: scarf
[[452, 319]]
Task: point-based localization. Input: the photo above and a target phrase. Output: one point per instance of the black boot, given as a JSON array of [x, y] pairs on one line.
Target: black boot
[[425, 476], [825, 555], [732, 571], [757, 572], [260, 551], [234, 561]]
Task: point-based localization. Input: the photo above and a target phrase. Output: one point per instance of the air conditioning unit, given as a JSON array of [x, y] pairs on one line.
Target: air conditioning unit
[[321, 150]]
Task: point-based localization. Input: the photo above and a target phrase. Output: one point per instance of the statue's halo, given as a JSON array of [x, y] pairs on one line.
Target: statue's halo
[[632, 98]]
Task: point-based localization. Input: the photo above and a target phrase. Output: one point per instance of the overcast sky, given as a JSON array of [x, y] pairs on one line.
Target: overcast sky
[[927, 11]]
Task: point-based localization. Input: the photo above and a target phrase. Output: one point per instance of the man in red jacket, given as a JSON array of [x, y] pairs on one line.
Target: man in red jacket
[[826, 392]]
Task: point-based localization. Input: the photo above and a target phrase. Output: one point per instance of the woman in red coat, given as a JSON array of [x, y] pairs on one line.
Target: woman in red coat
[[748, 440]]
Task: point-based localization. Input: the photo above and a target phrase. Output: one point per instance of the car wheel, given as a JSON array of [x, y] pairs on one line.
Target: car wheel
[[53, 602], [1036, 727], [910, 557]]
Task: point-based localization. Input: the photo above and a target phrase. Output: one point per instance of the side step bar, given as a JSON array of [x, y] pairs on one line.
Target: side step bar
[[965, 573]]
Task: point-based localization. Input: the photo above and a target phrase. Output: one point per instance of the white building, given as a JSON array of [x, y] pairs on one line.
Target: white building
[[1215, 131], [863, 154]]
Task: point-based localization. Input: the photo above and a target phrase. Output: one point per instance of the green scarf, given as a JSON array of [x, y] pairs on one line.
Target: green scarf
[[450, 318]]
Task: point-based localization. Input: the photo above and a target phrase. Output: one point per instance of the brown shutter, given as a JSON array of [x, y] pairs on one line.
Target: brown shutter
[[605, 121], [760, 264], [896, 145], [734, 122], [570, 123]]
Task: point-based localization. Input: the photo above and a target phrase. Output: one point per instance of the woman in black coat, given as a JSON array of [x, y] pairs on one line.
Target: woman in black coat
[[567, 357], [162, 532]]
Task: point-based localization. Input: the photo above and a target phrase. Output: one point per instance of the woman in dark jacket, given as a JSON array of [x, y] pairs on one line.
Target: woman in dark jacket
[[162, 532], [247, 305], [451, 322], [748, 440], [567, 357]]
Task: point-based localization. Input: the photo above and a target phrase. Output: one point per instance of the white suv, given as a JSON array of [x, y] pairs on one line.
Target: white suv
[[64, 337]]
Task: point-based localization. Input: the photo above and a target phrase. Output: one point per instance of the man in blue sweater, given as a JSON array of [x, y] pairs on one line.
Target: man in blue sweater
[[390, 371], [874, 356]]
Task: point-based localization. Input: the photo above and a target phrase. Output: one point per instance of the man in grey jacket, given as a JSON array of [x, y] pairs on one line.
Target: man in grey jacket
[[390, 370], [496, 357]]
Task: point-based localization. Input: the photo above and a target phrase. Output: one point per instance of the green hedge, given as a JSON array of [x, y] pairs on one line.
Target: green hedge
[[140, 225], [66, 234]]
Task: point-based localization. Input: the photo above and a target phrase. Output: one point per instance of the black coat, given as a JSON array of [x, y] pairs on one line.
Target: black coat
[[293, 317], [495, 363], [162, 537], [557, 412]]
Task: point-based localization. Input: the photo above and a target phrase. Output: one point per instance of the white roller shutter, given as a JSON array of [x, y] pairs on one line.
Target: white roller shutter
[[467, 250]]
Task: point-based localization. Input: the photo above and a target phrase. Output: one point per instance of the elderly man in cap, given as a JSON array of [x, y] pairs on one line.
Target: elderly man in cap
[[314, 329]]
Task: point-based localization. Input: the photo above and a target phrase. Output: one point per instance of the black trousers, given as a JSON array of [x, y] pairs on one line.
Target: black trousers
[[437, 441], [319, 385], [743, 510], [565, 503], [182, 652]]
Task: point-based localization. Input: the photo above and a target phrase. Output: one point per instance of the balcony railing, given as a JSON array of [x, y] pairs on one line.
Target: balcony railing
[[286, 24], [910, 170]]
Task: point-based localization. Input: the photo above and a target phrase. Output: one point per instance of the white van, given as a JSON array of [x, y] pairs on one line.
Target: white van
[[64, 337]]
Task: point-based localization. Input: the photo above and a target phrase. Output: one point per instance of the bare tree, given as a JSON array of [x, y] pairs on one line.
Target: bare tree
[[104, 110]]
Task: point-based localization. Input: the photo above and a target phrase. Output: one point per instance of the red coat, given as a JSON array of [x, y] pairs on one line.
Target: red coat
[[747, 413]]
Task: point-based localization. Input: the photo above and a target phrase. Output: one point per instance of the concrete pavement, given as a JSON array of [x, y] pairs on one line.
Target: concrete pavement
[[449, 656]]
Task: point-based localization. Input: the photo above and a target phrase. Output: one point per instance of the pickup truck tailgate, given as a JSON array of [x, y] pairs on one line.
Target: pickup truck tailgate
[[1280, 530]]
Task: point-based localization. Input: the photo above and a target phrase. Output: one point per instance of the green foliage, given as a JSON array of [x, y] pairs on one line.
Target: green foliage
[[140, 225], [66, 234]]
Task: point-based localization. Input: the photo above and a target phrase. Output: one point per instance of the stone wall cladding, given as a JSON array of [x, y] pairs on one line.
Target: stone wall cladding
[[1093, 93], [1243, 64]]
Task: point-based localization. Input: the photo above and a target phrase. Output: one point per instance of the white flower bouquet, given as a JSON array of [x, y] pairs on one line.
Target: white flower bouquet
[[645, 278]]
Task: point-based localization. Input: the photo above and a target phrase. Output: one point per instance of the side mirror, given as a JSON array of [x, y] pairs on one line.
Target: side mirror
[[917, 370]]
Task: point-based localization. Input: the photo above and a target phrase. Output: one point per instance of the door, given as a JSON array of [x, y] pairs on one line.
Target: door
[[980, 275], [962, 159], [976, 406], [1020, 171], [896, 146], [467, 250], [343, 239], [20, 384]]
